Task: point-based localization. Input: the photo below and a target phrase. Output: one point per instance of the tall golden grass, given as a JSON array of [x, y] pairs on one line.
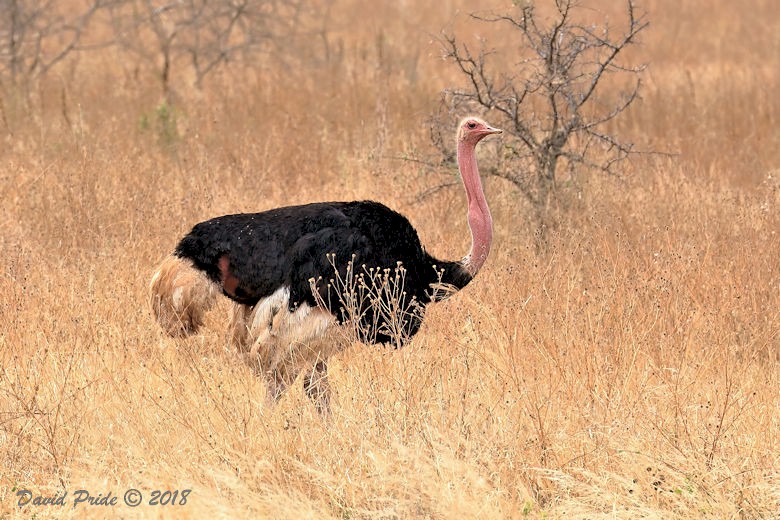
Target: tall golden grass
[[630, 368]]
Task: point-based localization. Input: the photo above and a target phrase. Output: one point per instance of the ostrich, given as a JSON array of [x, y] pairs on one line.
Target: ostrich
[[271, 265]]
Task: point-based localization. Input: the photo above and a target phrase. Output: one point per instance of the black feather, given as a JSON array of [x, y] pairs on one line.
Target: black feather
[[289, 246]]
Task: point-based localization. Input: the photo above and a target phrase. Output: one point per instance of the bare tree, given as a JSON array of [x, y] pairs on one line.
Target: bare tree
[[552, 99], [201, 34], [36, 35]]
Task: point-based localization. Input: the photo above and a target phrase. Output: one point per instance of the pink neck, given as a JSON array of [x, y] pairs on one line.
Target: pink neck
[[480, 221]]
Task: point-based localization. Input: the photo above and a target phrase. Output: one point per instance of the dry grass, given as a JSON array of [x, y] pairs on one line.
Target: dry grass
[[630, 370]]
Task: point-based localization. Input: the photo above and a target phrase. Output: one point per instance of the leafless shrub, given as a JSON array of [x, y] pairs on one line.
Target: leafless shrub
[[202, 35], [35, 36], [552, 98], [373, 302]]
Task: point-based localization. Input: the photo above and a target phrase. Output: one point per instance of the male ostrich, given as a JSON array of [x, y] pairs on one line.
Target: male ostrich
[[272, 264]]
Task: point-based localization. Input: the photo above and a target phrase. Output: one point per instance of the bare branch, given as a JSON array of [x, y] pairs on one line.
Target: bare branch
[[561, 68], [435, 189], [38, 35], [204, 35]]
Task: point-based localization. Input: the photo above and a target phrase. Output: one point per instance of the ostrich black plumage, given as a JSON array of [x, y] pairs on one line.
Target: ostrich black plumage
[[296, 241], [266, 262]]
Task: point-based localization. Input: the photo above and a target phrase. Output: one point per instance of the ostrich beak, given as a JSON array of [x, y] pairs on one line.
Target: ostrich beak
[[490, 130]]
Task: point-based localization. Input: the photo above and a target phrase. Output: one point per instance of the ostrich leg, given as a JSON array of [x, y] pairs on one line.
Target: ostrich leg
[[317, 388]]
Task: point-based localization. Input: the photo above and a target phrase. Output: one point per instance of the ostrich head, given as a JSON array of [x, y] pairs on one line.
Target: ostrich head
[[471, 130]]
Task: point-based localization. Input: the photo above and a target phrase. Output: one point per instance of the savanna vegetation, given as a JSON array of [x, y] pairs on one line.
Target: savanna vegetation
[[623, 363]]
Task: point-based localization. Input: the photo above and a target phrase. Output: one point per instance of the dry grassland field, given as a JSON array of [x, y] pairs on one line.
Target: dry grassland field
[[624, 363]]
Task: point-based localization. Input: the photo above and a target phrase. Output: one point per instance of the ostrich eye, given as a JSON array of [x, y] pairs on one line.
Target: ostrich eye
[[472, 124]]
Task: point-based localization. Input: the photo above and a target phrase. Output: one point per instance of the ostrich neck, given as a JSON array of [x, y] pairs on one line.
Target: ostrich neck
[[480, 221]]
